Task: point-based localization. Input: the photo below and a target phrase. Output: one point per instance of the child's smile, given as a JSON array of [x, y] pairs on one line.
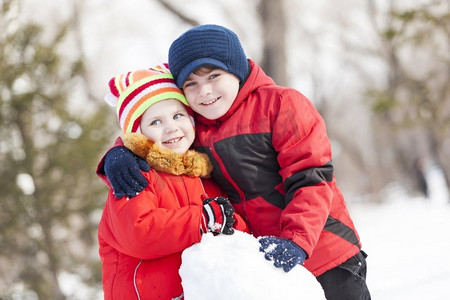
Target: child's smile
[[211, 102]]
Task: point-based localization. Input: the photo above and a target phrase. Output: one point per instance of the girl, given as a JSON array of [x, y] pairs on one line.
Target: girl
[[141, 239]]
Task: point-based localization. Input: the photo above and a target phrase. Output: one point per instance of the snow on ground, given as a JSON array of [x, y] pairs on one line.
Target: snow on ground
[[408, 246], [407, 239]]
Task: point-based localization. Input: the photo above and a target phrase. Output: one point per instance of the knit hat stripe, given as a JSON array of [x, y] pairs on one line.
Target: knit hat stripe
[[137, 88], [127, 96], [143, 86], [122, 82], [140, 106], [130, 109], [127, 80]]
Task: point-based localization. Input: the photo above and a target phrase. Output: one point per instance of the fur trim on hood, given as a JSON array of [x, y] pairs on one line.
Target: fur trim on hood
[[192, 163]]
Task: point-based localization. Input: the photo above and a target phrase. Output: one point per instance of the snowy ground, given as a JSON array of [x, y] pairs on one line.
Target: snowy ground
[[408, 243]]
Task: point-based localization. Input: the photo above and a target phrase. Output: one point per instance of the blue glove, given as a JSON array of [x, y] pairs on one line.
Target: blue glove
[[283, 252], [123, 169]]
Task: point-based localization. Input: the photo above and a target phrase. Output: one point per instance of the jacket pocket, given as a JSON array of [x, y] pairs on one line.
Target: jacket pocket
[[356, 265]]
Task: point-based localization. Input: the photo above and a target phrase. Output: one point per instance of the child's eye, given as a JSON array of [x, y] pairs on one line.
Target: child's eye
[[155, 122], [188, 84], [212, 76], [177, 116]]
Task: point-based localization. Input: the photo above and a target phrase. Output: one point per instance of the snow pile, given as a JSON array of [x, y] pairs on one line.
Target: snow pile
[[231, 267]]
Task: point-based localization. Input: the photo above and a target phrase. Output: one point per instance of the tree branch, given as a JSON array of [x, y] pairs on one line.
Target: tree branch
[[178, 13]]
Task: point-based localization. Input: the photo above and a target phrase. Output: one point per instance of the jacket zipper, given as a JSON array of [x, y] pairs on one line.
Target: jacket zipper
[[230, 180]]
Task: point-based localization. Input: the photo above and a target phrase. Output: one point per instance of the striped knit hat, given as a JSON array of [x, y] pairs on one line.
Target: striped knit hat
[[132, 93]]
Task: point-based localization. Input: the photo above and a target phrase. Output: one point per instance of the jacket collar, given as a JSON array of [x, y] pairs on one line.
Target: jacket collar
[[192, 163]]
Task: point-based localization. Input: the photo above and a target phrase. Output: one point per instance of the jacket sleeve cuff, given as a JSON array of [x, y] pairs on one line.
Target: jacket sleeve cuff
[[100, 167]]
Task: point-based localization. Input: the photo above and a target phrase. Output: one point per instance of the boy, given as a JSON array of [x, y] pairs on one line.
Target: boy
[[141, 239], [271, 155]]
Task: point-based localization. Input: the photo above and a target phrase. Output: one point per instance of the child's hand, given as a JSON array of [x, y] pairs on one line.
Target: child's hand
[[217, 216], [283, 252], [123, 169]]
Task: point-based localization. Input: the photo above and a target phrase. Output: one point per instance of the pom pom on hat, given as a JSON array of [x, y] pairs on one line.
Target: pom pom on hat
[[133, 92], [211, 45]]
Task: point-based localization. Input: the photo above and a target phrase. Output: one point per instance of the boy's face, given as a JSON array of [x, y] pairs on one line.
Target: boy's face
[[211, 92], [168, 124]]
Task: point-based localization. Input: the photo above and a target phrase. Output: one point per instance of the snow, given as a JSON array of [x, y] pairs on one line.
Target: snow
[[408, 245], [406, 239], [231, 267]]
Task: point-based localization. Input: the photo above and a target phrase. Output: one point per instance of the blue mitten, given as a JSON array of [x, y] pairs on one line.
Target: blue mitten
[[123, 169], [283, 252]]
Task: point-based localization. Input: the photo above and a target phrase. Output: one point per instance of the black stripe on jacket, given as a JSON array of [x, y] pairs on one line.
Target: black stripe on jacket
[[251, 162], [307, 177]]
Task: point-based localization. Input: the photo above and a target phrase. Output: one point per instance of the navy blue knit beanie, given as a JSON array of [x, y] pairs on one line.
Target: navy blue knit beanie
[[203, 45]]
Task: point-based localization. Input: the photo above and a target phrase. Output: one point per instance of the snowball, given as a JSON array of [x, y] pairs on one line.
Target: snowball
[[231, 267]]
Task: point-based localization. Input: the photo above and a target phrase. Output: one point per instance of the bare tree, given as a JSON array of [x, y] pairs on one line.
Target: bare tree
[[272, 15], [178, 12]]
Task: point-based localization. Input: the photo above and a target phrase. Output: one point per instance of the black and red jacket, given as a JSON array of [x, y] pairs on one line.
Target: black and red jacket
[[272, 156]]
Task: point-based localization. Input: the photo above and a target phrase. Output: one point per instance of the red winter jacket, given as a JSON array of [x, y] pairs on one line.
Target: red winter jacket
[[141, 239], [272, 156]]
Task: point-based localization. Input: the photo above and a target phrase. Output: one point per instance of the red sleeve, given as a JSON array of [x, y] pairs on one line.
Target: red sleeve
[[240, 224], [100, 167], [300, 138], [139, 228]]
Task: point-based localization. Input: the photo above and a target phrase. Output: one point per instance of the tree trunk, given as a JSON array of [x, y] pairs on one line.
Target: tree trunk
[[274, 28]]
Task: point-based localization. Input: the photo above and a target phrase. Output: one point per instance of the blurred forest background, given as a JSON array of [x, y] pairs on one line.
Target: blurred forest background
[[377, 70]]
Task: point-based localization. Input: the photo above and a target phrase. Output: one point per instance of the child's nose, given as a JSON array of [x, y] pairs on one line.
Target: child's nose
[[171, 127], [205, 89]]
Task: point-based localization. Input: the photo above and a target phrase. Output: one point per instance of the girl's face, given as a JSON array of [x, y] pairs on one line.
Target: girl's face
[[211, 92], [169, 125]]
